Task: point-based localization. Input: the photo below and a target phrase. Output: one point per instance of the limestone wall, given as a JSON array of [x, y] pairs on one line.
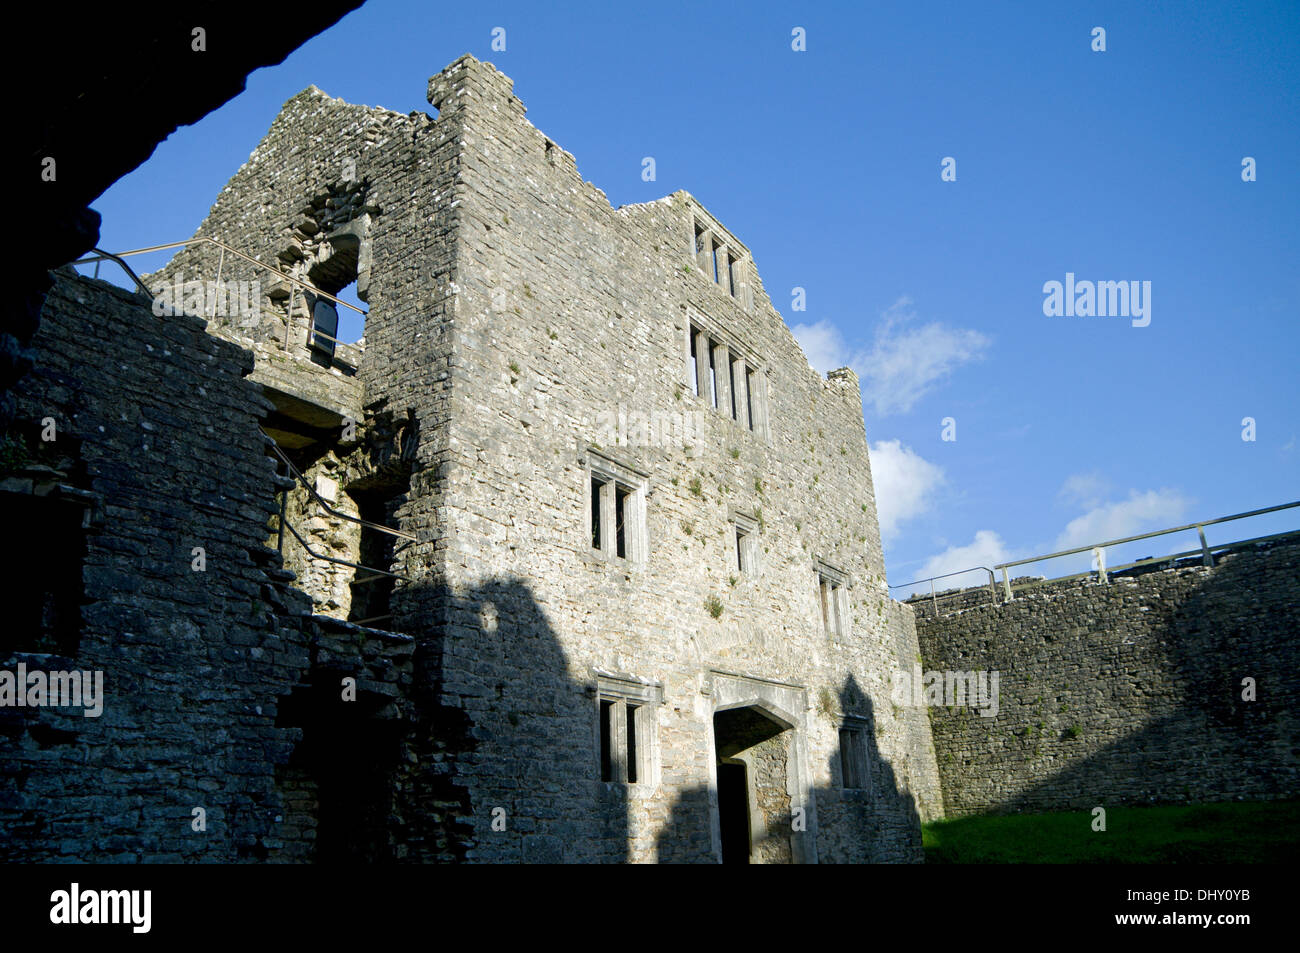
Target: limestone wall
[[217, 680], [1127, 693], [568, 312], [524, 337]]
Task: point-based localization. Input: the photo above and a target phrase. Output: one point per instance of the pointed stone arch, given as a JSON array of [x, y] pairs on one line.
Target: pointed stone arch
[[762, 726]]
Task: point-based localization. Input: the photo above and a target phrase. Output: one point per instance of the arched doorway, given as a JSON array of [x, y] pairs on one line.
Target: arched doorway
[[753, 754]]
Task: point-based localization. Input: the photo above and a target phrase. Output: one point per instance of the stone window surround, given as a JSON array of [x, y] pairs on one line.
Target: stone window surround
[[725, 349], [33, 487], [746, 527], [833, 599], [713, 247], [646, 697], [611, 474], [854, 755]]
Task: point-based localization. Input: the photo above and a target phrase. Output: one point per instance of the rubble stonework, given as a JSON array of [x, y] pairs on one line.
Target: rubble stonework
[[603, 593], [177, 601], [1129, 692], [512, 314]]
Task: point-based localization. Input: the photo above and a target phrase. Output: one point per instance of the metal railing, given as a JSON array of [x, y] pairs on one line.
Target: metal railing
[[1102, 573], [1206, 551], [101, 255], [297, 475], [934, 601]]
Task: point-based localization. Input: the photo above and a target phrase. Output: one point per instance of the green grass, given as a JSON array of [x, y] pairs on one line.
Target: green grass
[[1226, 833]]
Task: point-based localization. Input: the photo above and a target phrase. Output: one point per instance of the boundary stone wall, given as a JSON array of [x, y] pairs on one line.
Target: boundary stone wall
[[1129, 692]]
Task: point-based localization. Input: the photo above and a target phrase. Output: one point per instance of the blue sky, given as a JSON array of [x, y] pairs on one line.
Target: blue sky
[[1117, 165]]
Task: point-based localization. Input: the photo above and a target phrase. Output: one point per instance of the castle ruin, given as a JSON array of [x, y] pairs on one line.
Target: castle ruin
[[572, 558], [596, 544]]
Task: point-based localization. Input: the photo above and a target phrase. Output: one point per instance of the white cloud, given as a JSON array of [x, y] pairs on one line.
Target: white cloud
[[904, 363], [1151, 510], [905, 483], [986, 549], [1083, 489], [1141, 512], [822, 344]]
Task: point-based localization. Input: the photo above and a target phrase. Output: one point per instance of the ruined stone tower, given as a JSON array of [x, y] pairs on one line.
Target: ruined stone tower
[[584, 466]]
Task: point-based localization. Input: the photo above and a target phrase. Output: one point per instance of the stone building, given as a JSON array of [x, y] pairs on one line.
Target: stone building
[[579, 558], [571, 558]]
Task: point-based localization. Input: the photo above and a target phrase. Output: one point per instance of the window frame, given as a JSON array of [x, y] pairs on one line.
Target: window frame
[[744, 535], [635, 765], [720, 258], [855, 754], [833, 600], [612, 487], [715, 385]]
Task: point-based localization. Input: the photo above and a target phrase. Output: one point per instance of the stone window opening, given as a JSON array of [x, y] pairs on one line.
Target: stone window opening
[[597, 537], [616, 507], [727, 378], [338, 265], [44, 572], [625, 712], [618, 748], [324, 330], [832, 597], [622, 530], [855, 762], [48, 517], [714, 257], [713, 379], [745, 532], [694, 364], [372, 591]]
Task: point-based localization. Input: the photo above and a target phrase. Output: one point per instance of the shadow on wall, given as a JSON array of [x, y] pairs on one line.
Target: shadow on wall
[[872, 819], [493, 755]]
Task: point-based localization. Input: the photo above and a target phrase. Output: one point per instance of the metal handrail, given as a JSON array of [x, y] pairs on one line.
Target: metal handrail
[[225, 248], [308, 286], [285, 524], [329, 509], [1159, 532], [1206, 550], [961, 572], [1156, 560], [109, 256]]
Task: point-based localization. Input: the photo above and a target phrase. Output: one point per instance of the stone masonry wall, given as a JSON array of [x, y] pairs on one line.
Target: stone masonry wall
[[511, 311], [510, 307], [1127, 693], [192, 661], [566, 310], [157, 426]]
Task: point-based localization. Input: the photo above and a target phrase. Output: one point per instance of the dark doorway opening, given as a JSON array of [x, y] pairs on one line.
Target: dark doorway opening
[[342, 770], [754, 819], [372, 591], [733, 812]]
